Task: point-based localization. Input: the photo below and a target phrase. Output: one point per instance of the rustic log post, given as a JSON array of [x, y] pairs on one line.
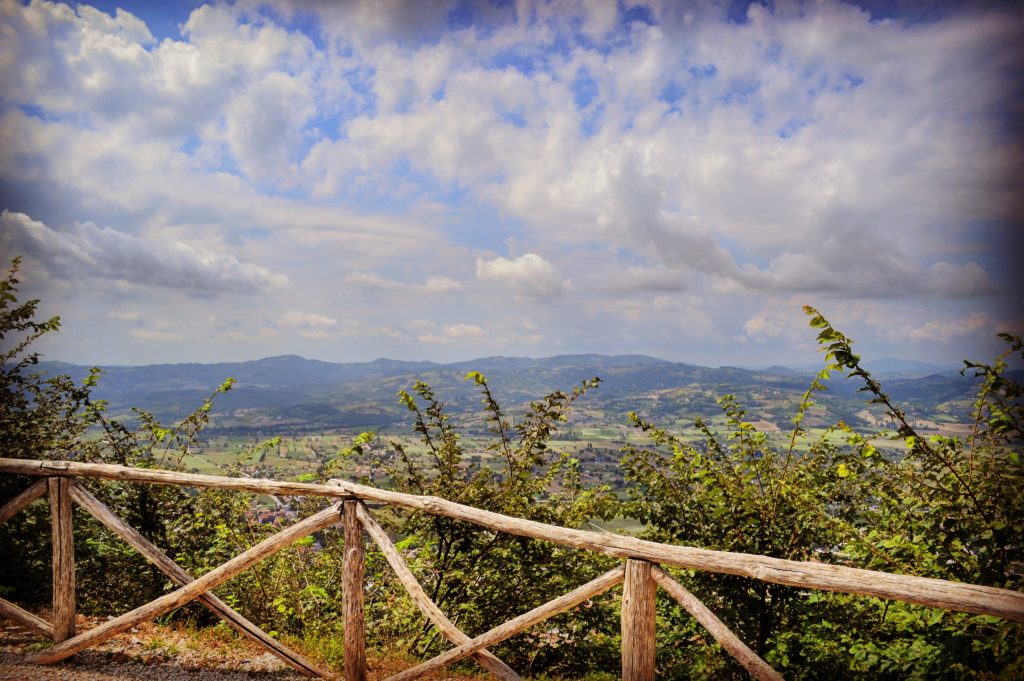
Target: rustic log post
[[63, 560], [638, 624], [352, 594], [210, 580]]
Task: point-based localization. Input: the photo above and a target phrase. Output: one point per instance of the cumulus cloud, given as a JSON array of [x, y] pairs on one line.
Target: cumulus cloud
[[811, 149], [440, 285], [86, 251], [718, 149], [293, 319], [373, 281], [156, 335], [369, 280], [453, 332], [945, 331], [528, 276], [264, 123], [308, 325], [125, 316], [856, 270], [657, 279]]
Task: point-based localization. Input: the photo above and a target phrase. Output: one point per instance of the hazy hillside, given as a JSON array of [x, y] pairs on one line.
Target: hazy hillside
[[292, 393]]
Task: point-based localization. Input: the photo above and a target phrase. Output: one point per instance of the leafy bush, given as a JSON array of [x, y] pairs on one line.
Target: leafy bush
[[945, 508], [481, 578]]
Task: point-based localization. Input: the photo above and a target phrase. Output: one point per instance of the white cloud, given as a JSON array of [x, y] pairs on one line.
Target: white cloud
[[659, 279], [768, 326], [463, 331], [369, 280], [945, 331], [156, 336], [358, 329], [91, 252], [756, 164], [264, 124], [529, 275], [293, 319], [125, 316], [453, 332], [810, 150], [440, 285], [372, 281]]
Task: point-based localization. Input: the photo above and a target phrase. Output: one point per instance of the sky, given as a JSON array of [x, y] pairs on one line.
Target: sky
[[193, 182]]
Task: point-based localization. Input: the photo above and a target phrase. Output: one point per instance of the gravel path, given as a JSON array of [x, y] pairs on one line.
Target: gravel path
[[148, 652], [101, 666], [152, 651]]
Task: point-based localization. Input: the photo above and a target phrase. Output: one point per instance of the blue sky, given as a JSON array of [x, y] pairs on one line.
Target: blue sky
[[443, 180]]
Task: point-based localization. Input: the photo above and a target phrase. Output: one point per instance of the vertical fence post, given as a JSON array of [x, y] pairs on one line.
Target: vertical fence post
[[63, 560], [352, 567], [638, 624]]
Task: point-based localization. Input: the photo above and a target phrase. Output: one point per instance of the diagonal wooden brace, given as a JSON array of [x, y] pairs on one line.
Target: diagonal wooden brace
[[214, 578], [35, 491], [81, 496], [515, 625], [9, 610], [429, 609], [24, 617], [758, 668]]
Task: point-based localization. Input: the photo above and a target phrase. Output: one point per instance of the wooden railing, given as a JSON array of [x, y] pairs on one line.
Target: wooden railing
[[640, 574]]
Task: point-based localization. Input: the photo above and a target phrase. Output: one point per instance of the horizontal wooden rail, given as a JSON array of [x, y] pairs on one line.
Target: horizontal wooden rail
[[935, 593], [106, 471]]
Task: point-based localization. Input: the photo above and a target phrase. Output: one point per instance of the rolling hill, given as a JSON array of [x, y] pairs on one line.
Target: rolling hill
[[292, 394]]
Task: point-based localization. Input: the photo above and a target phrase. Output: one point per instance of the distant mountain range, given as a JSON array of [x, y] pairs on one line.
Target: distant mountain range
[[292, 393]]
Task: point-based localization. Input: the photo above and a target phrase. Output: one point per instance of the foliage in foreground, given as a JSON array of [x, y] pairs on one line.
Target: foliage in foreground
[[947, 507]]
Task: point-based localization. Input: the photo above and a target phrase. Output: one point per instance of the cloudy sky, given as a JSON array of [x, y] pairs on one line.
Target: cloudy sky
[[447, 180]]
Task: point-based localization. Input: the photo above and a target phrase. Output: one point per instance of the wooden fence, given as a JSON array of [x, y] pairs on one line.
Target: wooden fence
[[640, 575]]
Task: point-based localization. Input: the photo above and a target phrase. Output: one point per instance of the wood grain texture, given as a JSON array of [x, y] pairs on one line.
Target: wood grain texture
[[936, 593], [514, 626], [133, 538], [638, 622], [486, 659], [352, 569], [63, 543], [35, 491], [21, 616], [114, 472], [210, 580], [755, 666]]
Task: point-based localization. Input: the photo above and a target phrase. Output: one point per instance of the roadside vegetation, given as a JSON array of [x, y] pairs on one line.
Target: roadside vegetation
[[950, 507]]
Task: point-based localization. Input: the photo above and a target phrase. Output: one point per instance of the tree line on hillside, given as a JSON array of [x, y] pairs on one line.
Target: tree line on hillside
[[951, 508]]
